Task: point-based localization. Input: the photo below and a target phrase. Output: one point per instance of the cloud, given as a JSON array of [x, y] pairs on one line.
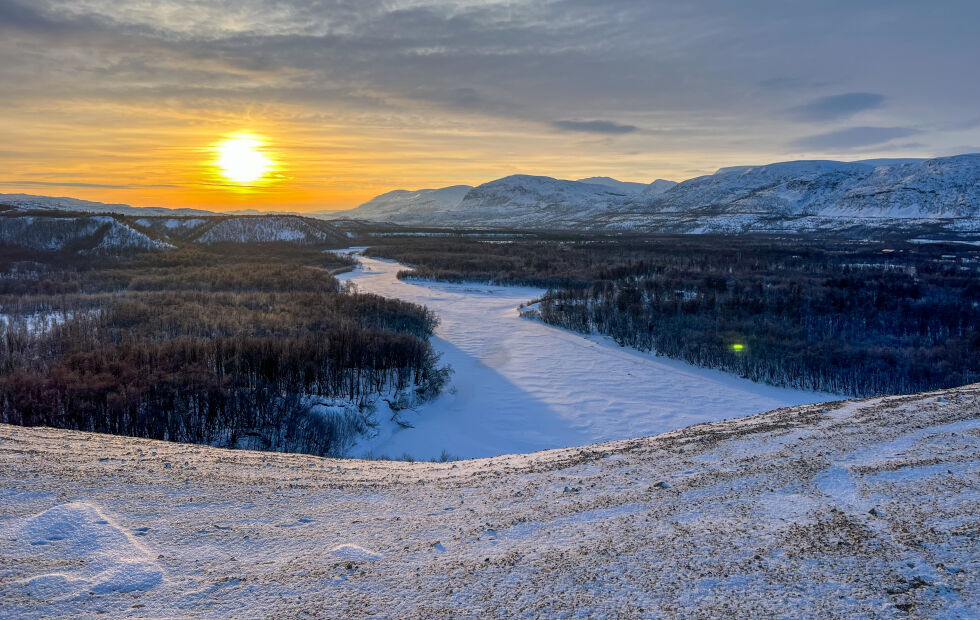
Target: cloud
[[544, 87], [837, 107], [853, 137], [607, 127]]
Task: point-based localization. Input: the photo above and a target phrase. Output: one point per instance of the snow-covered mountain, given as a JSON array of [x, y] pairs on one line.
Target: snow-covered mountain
[[529, 193], [26, 202], [517, 200], [941, 195], [626, 187], [520, 201], [935, 195], [658, 187], [401, 201], [816, 195]]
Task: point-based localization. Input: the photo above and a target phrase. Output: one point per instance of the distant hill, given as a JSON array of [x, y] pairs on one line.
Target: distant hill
[[87, 234], [940, 195], [271, 228], [625, 187], [32, 202], [113, 234], [401, 201], [801, 196]]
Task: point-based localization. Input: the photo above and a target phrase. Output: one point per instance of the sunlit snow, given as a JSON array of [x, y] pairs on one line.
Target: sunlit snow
[[520, 385]]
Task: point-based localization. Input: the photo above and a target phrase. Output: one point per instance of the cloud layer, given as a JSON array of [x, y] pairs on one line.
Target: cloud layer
[[373, 94], [837, 107]]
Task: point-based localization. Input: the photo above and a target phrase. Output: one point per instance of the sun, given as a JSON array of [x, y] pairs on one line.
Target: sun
[[241, 160]]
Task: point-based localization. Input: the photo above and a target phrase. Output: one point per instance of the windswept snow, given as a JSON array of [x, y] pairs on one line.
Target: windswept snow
[[859, 509], [520, 385], [61, 536]]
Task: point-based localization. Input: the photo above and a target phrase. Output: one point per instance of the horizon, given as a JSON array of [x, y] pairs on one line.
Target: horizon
[[232, 106], [473, 185]]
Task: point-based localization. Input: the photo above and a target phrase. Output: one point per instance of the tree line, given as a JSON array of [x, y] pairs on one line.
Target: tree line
[[258, 348], [846, 317]]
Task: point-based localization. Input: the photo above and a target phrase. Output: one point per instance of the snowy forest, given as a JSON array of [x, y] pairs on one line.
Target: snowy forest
[[856, 318], [233, 345]]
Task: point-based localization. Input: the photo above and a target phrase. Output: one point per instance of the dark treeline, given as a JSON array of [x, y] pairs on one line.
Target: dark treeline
[[846, 317], [232, 346]]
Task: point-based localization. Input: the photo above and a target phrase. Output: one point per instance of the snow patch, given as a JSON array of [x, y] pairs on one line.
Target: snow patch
[[93, 553], [355, 553]]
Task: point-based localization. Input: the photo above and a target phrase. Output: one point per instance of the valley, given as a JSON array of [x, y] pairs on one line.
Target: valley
[[519, 385], [483, 309]]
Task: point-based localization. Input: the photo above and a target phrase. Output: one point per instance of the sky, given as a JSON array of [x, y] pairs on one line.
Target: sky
[[340, 100]]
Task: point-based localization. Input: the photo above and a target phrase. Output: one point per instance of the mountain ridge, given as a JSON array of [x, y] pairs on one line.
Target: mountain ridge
[[782, 197], [941, 194]]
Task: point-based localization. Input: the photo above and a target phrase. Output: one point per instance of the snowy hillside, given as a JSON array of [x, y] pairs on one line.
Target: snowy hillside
[[857, 509], [102, 234], [263, 229], [406, 201], [518, 200], [624, 187], [31, 202], [94, 234], [936, 195], [658, 187], [523, 201], [816, 195], [521, 194]]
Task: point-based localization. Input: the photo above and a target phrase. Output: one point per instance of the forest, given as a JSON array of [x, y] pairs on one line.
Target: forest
[[235, 345], [852, 318]]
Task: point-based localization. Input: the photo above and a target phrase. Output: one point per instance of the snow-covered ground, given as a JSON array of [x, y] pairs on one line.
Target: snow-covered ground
[[858, 509], [520, 385]]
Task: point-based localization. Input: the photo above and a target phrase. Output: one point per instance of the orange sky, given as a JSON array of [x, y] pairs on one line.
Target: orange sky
[[165, 156]]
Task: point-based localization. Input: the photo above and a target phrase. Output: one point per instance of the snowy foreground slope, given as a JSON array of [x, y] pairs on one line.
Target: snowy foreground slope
[[865, 508], [521, 385]]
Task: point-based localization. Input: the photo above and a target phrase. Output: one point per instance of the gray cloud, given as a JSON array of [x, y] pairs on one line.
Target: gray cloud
[[607, 127], [837, 107], [853, 137]]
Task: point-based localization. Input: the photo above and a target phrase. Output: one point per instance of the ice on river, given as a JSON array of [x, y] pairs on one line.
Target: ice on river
[[521, 386]]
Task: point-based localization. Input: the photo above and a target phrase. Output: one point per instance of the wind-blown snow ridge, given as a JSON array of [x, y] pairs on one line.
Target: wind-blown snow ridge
[[855, 509], [60, 536]]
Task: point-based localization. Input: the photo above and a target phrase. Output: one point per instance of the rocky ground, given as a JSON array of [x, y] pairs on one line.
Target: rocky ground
[[862, 508]]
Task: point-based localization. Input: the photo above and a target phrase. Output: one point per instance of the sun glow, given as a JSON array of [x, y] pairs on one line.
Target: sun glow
[[241, 160]]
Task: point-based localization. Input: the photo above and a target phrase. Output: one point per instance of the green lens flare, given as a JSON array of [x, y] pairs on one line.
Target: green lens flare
[[738, 347]]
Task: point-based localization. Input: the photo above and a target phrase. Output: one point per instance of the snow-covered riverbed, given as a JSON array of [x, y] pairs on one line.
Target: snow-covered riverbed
[[521, 386]]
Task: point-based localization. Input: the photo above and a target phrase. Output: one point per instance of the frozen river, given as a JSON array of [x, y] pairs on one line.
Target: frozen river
[[520, 385]]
